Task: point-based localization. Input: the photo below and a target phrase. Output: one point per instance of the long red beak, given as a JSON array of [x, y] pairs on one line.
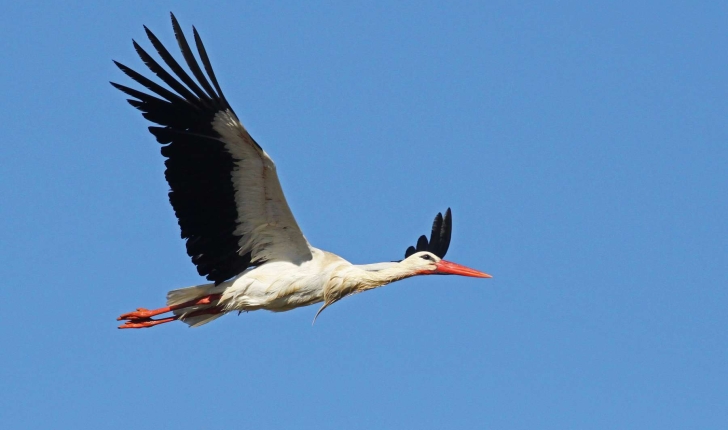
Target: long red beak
[[449, 268]]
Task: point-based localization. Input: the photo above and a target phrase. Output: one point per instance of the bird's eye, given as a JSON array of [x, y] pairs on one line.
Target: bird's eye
[[426, 257]]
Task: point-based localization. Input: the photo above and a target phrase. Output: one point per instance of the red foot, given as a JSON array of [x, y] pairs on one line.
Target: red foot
[[148, 323], [140, 313]]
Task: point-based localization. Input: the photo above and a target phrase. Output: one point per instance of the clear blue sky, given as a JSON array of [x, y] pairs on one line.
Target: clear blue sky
[[583, 149]]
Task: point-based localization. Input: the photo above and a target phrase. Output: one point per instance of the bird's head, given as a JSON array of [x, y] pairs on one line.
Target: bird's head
[[427, 263]]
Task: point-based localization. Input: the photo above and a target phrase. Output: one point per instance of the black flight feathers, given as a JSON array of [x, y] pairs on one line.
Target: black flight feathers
[[198, 164], [185, 103], [439, 238]]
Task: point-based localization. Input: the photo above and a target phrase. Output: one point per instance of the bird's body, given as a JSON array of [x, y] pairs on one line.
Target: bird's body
[[281, 285], [240, 231]]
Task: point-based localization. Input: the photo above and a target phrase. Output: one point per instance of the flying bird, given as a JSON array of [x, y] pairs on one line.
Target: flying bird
[[239, 230]]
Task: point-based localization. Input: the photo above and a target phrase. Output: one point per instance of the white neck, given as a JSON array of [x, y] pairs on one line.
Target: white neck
[[357, 278], [378, 274]]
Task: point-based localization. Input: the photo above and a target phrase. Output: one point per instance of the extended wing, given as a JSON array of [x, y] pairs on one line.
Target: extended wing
[[223, 187]]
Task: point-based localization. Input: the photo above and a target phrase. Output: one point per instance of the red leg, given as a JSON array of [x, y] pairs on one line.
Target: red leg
[[145, 314], [148, 322]]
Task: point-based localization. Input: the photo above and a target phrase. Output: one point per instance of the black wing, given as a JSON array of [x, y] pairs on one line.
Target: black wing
[[439, 238], [199, 165]]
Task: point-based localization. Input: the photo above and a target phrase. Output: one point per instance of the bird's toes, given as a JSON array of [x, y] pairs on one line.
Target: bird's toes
[[137, 315]]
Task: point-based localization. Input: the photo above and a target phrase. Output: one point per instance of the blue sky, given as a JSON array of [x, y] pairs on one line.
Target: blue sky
[[583, 149]]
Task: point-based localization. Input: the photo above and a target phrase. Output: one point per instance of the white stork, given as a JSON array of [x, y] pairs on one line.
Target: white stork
[[240, 232]]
